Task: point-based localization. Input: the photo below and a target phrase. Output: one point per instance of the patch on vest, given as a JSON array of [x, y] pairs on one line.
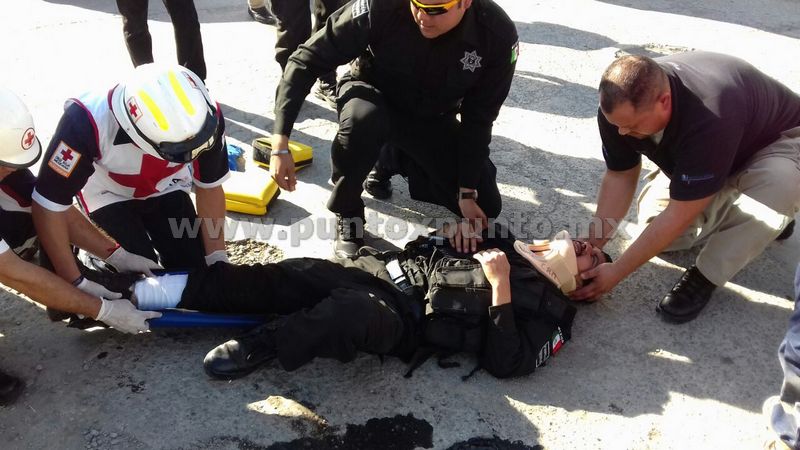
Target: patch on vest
[[471, 60], [514, 52], [359, 8], [64, 160]]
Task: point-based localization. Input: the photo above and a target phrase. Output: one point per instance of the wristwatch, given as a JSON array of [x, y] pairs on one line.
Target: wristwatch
[[469, 195]]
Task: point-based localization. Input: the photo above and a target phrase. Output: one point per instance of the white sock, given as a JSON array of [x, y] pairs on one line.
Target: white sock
[[160, 292]]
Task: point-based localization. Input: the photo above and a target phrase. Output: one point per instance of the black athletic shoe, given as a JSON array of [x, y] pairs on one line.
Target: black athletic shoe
[[349, 235], [326, 91], [10, 388], [787, 232], [687, 298], [242, 355], [262, 14], [378, 185]]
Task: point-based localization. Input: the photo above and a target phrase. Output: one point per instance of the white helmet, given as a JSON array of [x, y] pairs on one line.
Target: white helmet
[[167, 112], [19, 146]]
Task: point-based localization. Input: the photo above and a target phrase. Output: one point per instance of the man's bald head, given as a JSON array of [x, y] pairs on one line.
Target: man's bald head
[[635, 79]]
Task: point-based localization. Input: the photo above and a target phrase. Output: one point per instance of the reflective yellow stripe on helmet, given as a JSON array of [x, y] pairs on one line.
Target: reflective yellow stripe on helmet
[[154, 110], [180, 93]]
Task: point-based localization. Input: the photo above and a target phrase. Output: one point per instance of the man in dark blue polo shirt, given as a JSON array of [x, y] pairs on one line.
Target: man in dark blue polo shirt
[[726, 140]]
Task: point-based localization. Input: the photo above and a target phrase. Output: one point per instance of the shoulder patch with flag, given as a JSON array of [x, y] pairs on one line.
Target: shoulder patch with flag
[[514, 52], [64, 160], [360, 7]]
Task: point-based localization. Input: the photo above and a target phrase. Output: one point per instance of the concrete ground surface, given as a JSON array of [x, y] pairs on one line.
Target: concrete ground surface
[[627, 380]]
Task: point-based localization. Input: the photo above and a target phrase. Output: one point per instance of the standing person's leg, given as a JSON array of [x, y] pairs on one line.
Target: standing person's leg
[[179, 248], [188, 40], [784, 411], [122, 221], [293, 27], [134, 28], [326, 87], [364, 126]]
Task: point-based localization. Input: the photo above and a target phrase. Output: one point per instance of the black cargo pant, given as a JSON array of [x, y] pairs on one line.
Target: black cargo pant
[[16, 228], [188, 41], [333, 311], [426, 153], [294, 26], [143, 227]]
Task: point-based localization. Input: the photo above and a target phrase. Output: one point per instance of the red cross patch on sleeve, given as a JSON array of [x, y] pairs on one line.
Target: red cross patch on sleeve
[[64, 160]]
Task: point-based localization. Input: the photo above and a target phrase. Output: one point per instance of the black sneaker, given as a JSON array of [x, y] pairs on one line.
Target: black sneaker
[[326, 91], [349, 235], [787, 232], [687, 298], [378, 186], [262, 14], [242, 355], [10, 388]]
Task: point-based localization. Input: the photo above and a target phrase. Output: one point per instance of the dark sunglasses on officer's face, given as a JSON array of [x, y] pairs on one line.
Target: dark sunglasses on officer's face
[[435, 10]]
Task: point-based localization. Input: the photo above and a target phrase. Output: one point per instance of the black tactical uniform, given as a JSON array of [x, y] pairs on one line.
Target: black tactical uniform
[[334, 309], [406, 89]]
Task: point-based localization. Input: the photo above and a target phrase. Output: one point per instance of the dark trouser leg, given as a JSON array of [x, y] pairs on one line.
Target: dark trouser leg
[[134, 28], [280, 288], [188, 40], [143, 227], [428, 158], [340, 326], [322, 9], [16, 228], [177, 251], [123, 223], [293, 28], [364, 126]]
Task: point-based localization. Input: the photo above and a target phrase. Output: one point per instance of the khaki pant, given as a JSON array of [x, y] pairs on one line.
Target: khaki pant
[[744, 217]]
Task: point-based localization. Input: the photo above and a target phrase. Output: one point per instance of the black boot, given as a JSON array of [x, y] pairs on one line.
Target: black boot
[[687, 298], [242, 355], [326, 91], [378, 184], [262, 14], [10, 388], [787, 232], [349, 235]]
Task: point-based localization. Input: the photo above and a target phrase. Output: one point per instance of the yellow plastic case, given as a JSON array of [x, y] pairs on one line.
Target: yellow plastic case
[[302, 154], [249, 192], [245, 208]]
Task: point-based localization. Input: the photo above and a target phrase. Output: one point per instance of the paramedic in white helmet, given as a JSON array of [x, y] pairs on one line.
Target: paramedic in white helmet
[[19, 149], [130, 156]]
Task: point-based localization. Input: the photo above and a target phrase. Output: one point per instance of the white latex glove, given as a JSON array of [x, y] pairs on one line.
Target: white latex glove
[[95, 289], [215, 257], [125, 261], [123, 316]]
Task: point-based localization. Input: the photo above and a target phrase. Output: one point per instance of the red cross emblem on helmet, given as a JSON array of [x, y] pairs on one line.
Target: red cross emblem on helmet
[[191, 80], [133, 109], [27, 138]]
